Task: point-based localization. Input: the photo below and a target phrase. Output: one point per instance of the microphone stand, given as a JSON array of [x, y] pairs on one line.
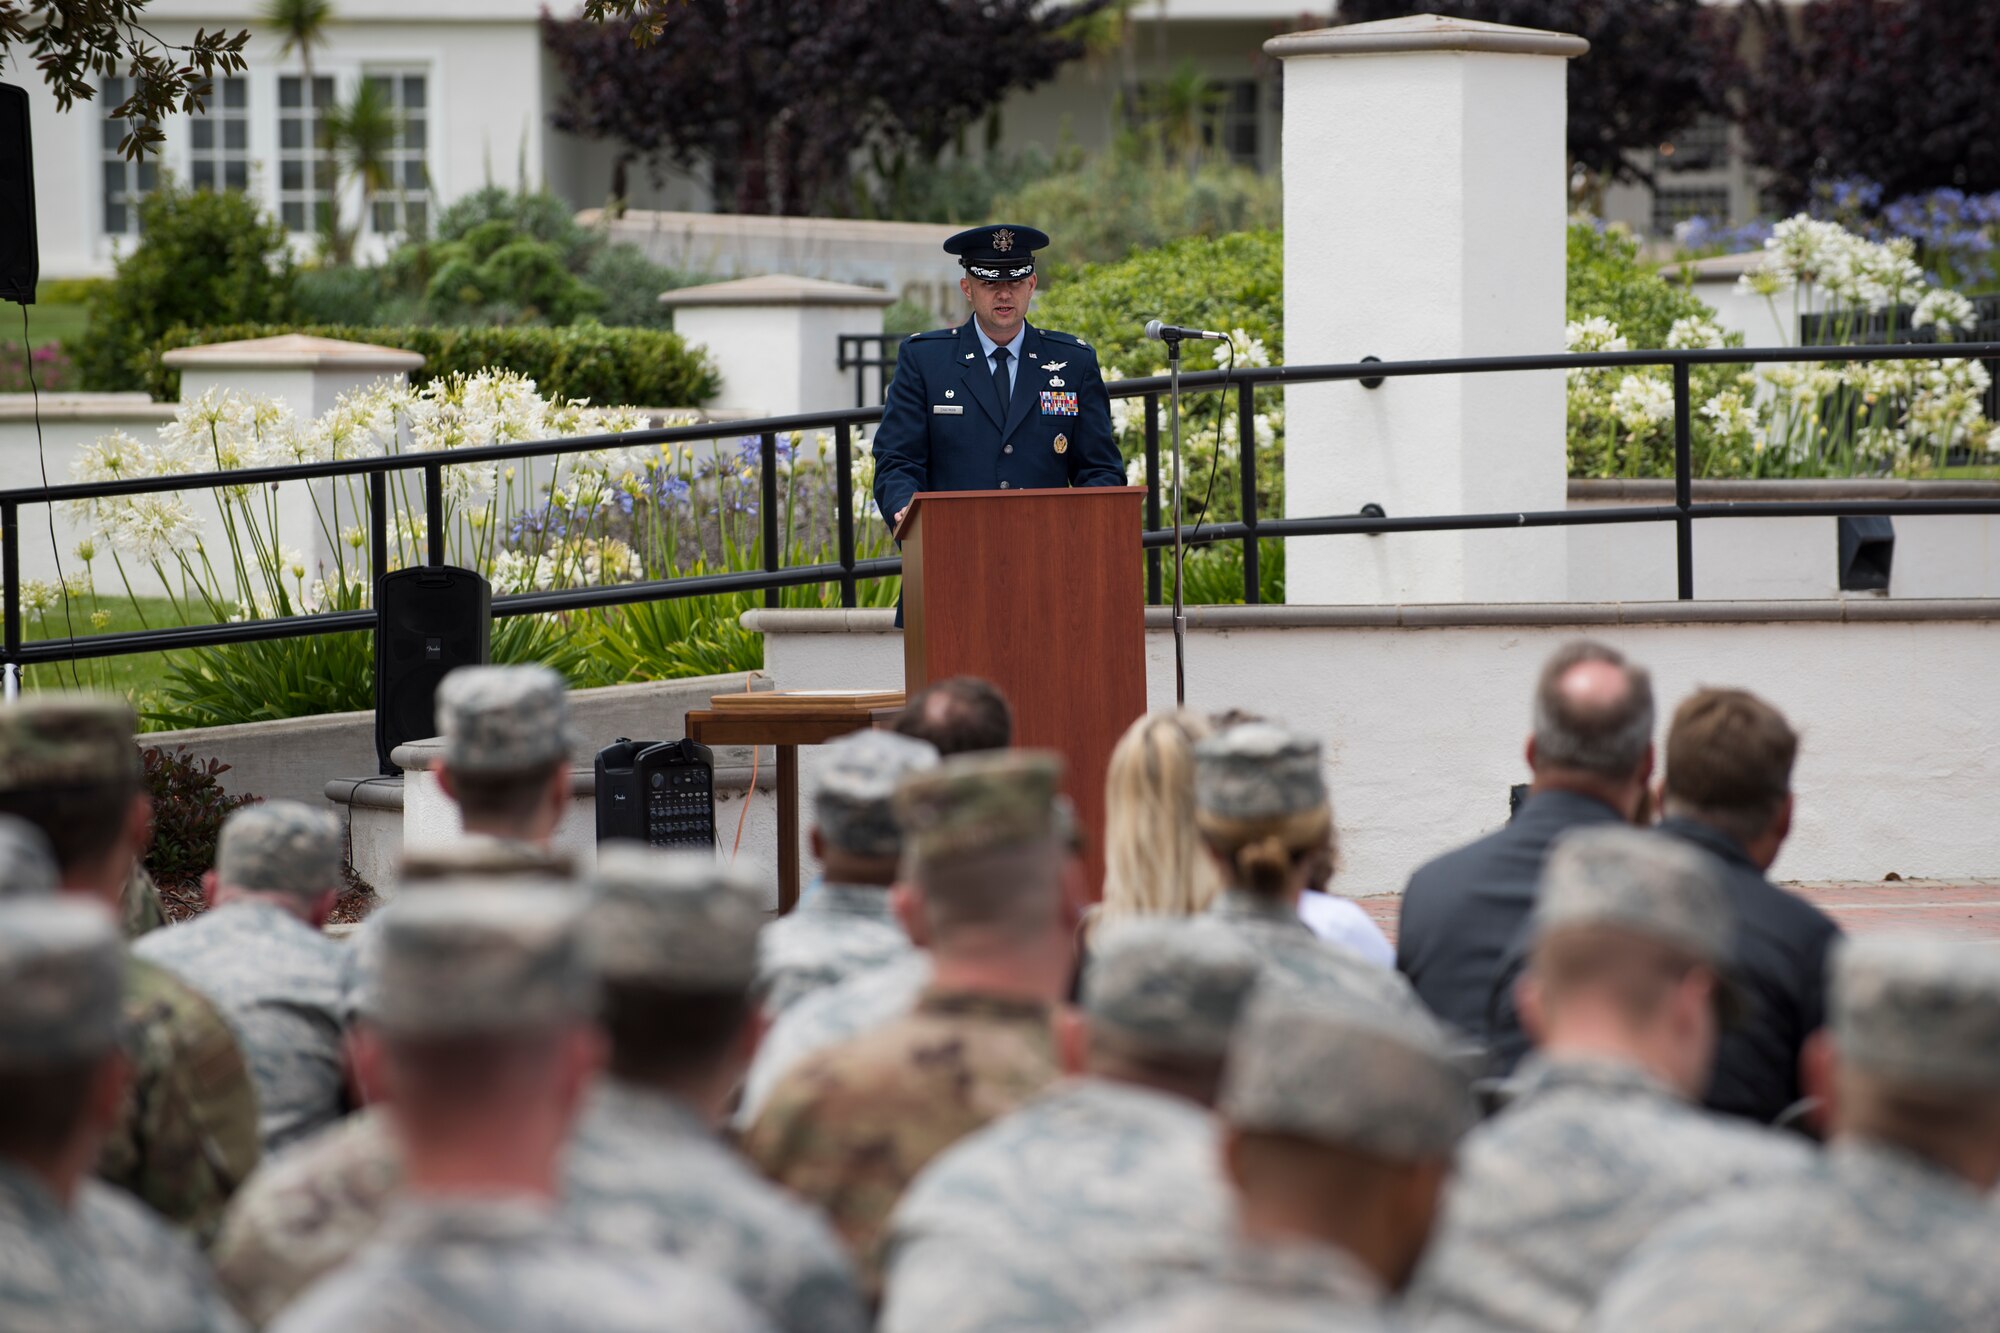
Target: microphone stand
[[1180, 612]]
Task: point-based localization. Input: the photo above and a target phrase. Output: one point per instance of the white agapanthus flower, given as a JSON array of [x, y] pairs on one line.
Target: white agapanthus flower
[[1640, 402], [1946, 311], [1694, 331], [1734, 417], [1593, 334]]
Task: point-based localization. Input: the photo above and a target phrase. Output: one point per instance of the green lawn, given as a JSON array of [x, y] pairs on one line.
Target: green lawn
[[130, 675], [47, 323], [1965, 472]]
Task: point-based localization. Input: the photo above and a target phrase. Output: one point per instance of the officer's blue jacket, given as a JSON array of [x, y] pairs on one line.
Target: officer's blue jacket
[[943, 428]]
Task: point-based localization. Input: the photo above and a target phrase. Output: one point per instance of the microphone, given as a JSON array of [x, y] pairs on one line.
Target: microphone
[[1175, 333]]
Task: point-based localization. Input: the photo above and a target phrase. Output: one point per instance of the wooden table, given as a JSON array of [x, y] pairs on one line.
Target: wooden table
[[804, 719]]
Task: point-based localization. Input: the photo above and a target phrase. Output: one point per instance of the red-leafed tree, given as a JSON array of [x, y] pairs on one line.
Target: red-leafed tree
[[1648, 75], [1903, 92], [773, 98]]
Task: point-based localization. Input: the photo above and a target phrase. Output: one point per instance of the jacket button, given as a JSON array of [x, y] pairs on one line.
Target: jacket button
[[1006, 448], [1005, 485]]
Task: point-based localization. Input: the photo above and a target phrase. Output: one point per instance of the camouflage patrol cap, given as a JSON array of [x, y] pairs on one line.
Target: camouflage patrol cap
[[1257, 771], [504, 719], [986, 801], [280, 847], [857, 779], [1376, 1082], [1167, 986], [27, 866], [1916, 1010], [471, 961], [66, 740], [683, 921], [481, 854], [62, 982], [1639, 881]]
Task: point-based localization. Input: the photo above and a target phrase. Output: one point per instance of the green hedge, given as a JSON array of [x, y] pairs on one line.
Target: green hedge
[[608, 366], [1223, 282]]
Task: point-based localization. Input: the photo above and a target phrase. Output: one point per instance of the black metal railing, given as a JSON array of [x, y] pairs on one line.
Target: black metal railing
[[863, 352], [847, 570]]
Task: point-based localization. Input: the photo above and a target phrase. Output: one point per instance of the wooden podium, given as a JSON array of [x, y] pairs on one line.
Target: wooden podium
[[1041, 592]]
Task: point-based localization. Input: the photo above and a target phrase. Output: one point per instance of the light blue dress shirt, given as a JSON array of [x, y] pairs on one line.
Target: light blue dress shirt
[[987, 345]]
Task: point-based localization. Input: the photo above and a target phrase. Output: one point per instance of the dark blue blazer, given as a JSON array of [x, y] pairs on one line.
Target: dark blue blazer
[[944, 428]]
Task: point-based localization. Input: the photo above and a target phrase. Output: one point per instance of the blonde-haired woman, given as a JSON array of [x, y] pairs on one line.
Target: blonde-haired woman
[[1261, 806], [1154, 860]]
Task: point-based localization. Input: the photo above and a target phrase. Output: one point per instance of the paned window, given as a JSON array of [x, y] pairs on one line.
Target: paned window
[[305, 164], [1672, 204], [123, 182], [219, 139], [404, 207]]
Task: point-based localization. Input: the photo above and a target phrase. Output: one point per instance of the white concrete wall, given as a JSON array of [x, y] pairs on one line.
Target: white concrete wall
[[779, 360], [1423, 716]]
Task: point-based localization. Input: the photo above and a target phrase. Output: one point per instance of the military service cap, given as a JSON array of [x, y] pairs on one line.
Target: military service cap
[[1001, 252], [1257, 771], [481, 854], [986, 801], [679, 920], [280, 847], [67, 740], [857, 779], [1639, 881], [27, 866], [500, 720], [1166, 986], [62, 982], [1924, 1011], [465, 961], [1379, 1083]]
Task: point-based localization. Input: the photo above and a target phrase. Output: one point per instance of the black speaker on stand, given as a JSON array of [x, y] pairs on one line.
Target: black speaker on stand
[[20, 258], [428, 621]]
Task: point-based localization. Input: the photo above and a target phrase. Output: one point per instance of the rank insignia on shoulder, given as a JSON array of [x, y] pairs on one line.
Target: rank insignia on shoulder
[[1062, 444], [1058, 404]]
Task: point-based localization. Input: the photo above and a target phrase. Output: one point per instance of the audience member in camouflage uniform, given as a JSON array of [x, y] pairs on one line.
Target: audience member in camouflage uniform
[[674, 937], [139, 904], [1602, 1143], [844, 925], [1262, 808], [506, 765], [849, 1127], [1340, 1127], [1107, 1189], [1896, 1230], [69, 765], [479, 1029], [259, 954], [76, 1255]]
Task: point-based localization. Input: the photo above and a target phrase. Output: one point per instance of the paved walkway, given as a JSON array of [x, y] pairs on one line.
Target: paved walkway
[[1965, 908]]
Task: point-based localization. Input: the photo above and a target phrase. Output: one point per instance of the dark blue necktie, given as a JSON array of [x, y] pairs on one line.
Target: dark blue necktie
[[1001, 388]]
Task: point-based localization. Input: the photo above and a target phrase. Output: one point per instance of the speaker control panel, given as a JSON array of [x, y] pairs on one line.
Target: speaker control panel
[[661, 793]]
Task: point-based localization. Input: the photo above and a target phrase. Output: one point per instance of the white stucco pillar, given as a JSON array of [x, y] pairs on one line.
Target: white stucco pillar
[[309, 375], [776, 339], [1424, 218]]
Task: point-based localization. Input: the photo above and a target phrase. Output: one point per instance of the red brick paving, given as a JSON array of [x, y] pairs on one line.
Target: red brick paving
[[1968, 910]]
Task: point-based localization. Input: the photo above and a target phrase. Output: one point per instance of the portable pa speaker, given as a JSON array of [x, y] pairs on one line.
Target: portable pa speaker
[[428, 620], [20, 262], [661, 793]]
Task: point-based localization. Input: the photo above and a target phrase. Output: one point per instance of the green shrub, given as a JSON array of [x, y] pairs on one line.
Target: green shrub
[[189, 806], [343, 294], [68, 291], [630, 285], [1115, 206], [1224, 282], [641, 367], [1607, 278], [204, 257]]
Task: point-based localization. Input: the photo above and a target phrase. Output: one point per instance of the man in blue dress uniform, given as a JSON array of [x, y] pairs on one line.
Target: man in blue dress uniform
[[994, 404]]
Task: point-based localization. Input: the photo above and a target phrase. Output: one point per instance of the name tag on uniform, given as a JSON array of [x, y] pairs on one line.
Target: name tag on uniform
[[946, 410], [1058, 404]]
